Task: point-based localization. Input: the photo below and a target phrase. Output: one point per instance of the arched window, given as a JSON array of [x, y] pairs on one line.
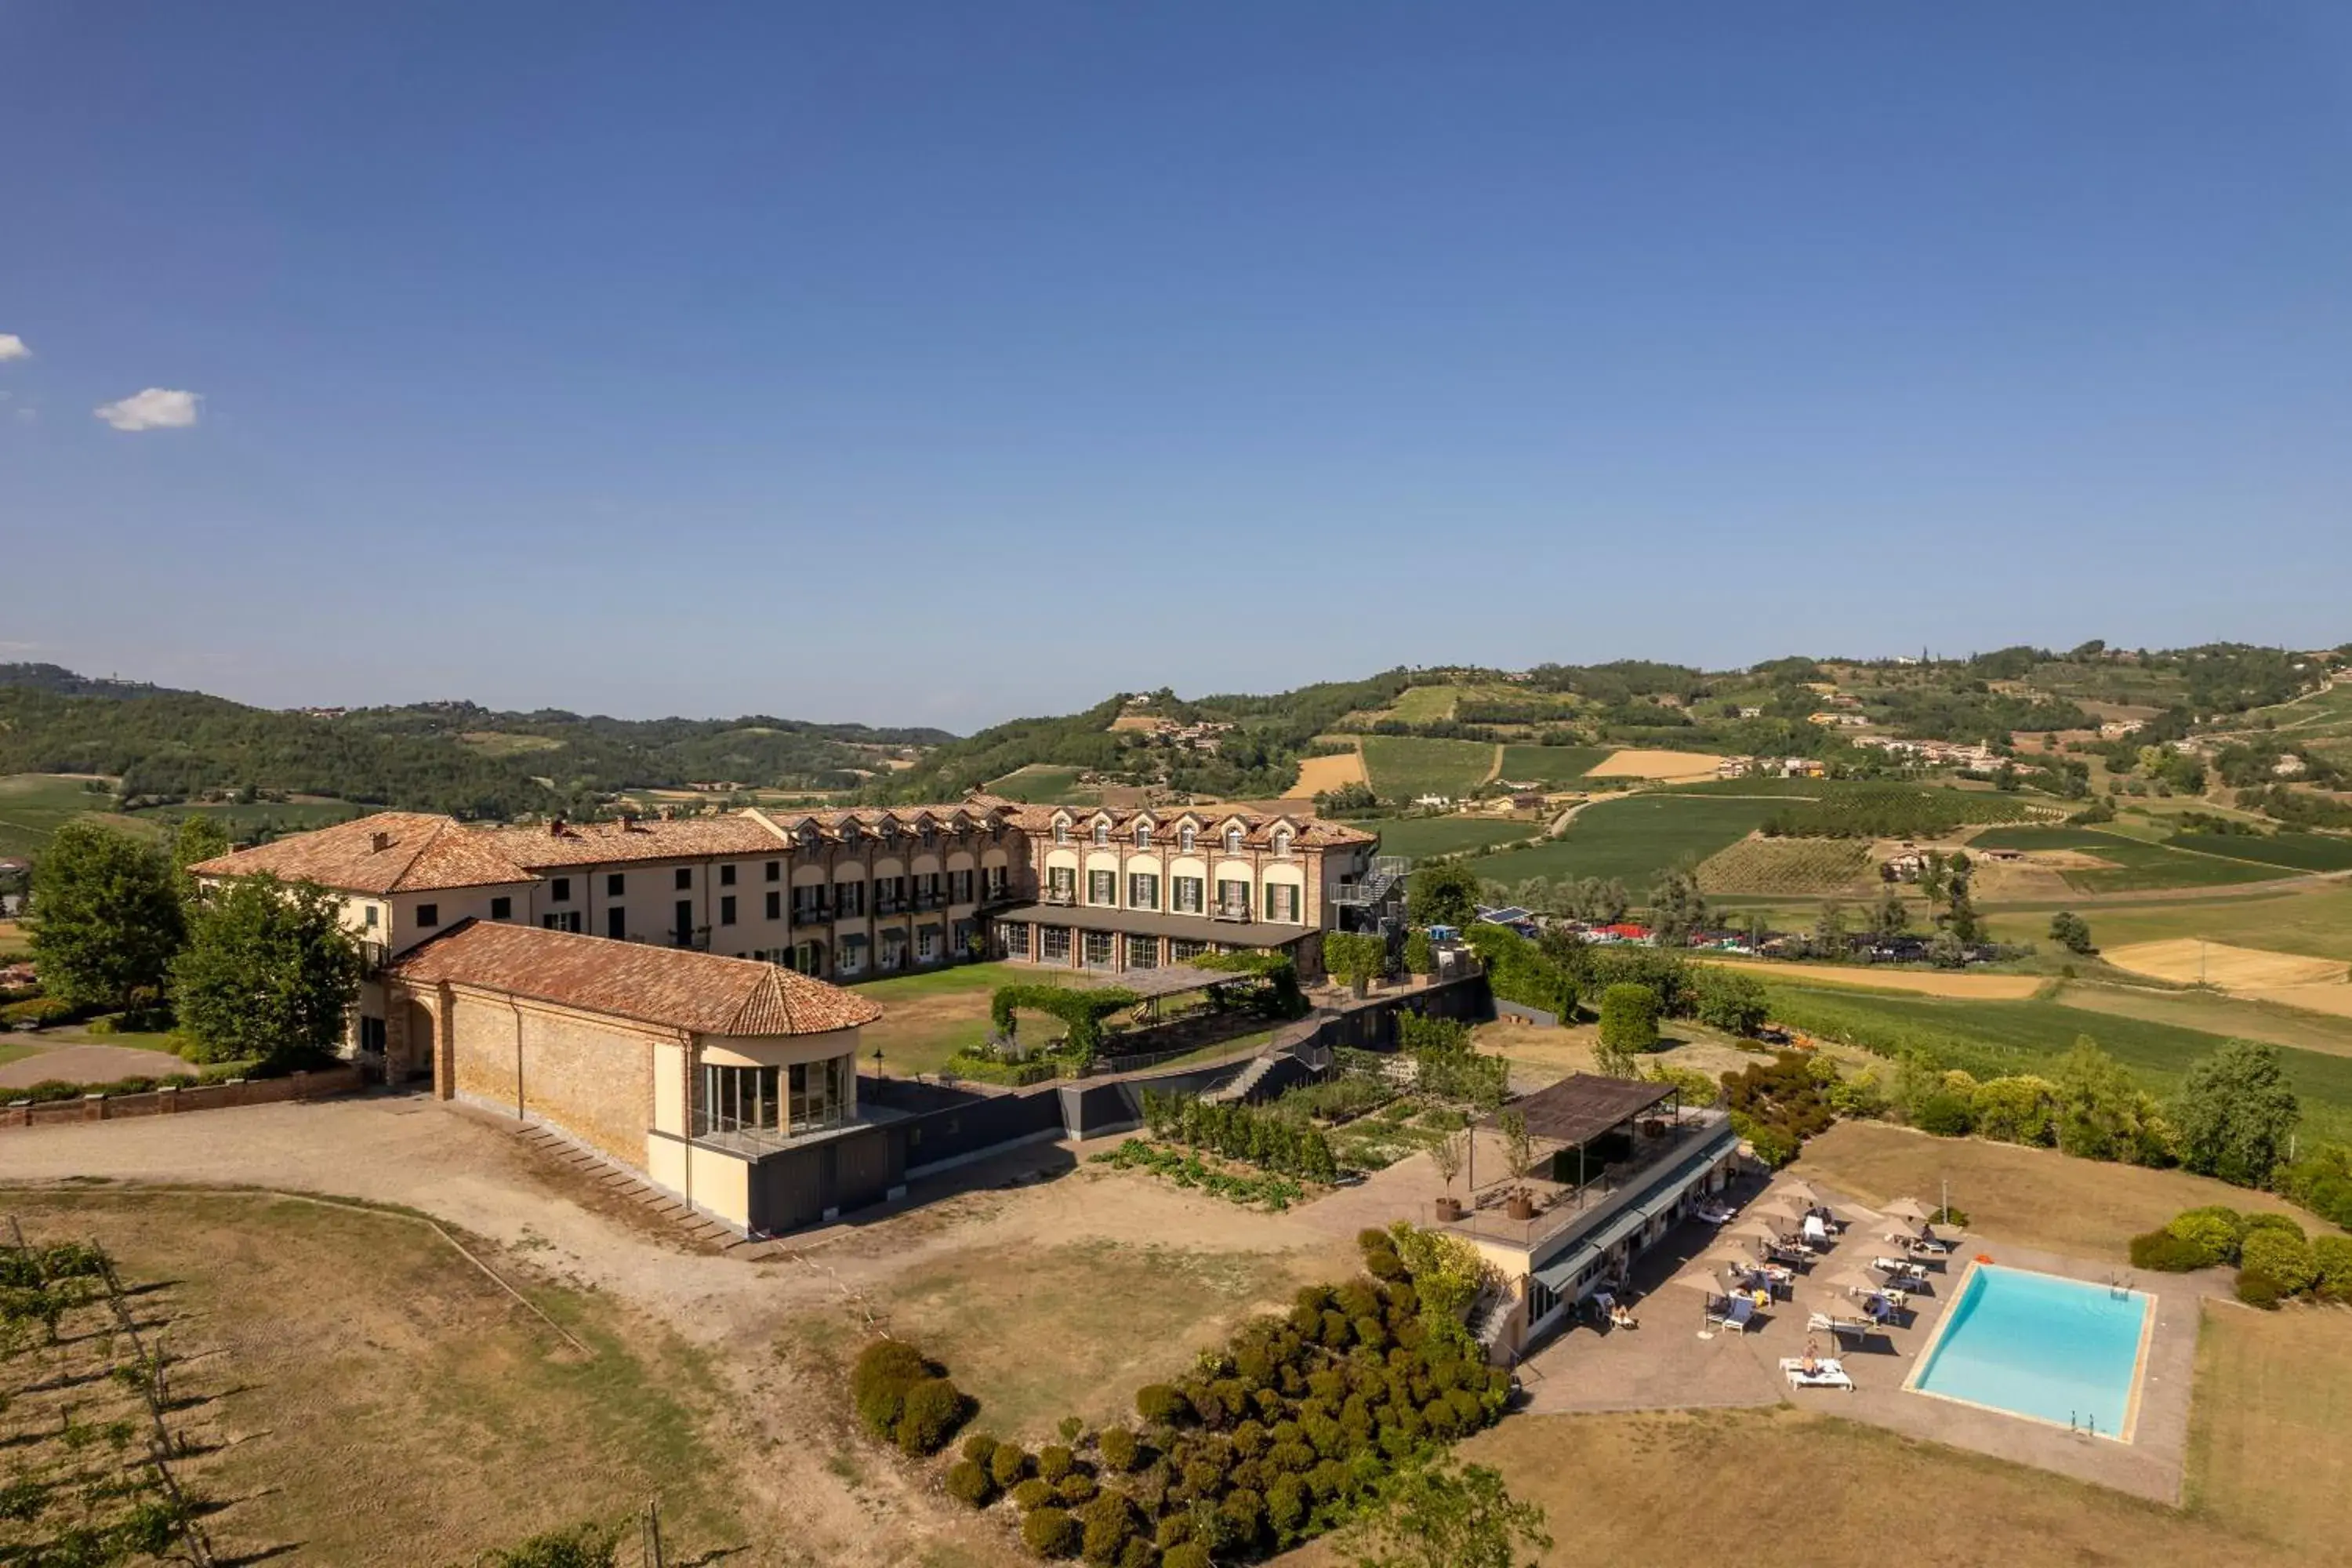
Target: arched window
[[1184, 838], [1143, 836], [1233, 840], [1102, 832]]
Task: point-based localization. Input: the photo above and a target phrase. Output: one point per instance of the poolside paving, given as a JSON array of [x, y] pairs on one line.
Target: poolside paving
[[1665, 1363]]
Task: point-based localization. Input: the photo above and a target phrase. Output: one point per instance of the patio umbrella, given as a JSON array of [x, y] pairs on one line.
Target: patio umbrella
[[1751, 1227], [1708, 1288], [1800, 1191], [1911, 1209], [1852, 1279]]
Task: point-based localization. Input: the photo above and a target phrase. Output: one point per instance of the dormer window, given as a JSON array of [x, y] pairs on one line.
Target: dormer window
[[1102, 832], [1061, 832], [1184, 836], [1282, 842], [1143, 836], [1233, 841]]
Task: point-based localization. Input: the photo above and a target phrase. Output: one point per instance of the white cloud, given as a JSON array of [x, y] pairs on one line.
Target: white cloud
[[154, 409], [13, 347]]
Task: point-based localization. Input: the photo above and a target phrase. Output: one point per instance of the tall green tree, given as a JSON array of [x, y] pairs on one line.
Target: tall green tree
[[106, 916], [196, 838], [2070, 932], [2102, 1114], [1443, 1514], [1445, 894], [1890, 917], [1628, 1028], [269, 972], [1676, 908], [2236, 1112]]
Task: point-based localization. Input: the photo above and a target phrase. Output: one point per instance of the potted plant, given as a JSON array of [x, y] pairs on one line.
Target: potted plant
[[1446, 1155], [1521, 1204]]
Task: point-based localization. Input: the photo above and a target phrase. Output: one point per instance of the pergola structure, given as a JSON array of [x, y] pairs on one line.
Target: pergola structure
[[1153, 986], [1583, 1108]]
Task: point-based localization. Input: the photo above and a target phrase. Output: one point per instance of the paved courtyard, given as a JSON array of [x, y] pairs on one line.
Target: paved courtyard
[[1673, 1362]]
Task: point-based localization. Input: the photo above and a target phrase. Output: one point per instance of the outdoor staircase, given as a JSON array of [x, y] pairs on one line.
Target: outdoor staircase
[[1488, 1314], [1373, 887], [1243, 1082], [617, 1182]]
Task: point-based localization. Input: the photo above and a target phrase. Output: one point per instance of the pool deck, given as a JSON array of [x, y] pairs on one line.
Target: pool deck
[[1664, 1364]]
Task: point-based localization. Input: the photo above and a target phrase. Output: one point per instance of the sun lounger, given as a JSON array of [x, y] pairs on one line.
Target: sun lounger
[[1826, 1323], [1736, 1317], [1899, 1268], [1827, 1372], [1930, 1246]]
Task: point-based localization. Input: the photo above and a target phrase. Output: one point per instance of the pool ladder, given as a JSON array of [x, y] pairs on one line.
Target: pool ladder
[[2081, 1425]]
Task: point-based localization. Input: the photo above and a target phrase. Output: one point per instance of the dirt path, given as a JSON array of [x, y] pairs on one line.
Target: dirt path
[[1494, 768]]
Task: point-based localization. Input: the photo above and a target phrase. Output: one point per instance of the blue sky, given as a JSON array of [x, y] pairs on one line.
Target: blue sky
[[935, 364]]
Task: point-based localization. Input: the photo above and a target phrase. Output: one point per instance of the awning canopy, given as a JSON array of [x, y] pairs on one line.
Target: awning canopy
[[1582, 1106], [1151, 922], [1149, 984]]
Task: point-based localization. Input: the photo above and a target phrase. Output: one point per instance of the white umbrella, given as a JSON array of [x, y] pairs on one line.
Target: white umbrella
[[1906, 1208]]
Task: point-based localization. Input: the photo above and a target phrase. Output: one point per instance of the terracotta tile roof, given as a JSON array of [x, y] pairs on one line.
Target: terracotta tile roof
[[1311, 831], [676, 987], [647, 839], [390, 852]]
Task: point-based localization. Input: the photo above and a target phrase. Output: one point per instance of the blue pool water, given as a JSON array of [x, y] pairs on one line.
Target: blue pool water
[[2040, 1345]]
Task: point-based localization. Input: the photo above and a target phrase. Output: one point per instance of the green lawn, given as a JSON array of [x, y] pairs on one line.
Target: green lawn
[[1557, 767], [2030, 1036], [1633, 840], [1416, 837], [1405, 767], [926, 1016]]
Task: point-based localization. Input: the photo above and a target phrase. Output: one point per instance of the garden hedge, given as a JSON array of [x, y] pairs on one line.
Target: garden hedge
[[1082, 1011]]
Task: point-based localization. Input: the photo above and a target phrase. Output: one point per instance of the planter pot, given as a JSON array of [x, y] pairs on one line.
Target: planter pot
[[1521, 1206], [1449, 1208]]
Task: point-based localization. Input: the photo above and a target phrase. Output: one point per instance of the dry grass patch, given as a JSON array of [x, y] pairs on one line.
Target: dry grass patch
[[379, 1400], [2033, 1197], [1778, 1487], [2270, 1440], [1037, 1330], [1647, 765], [1317, 775], [2188, 960], [2235, 1018], [1914, 982]]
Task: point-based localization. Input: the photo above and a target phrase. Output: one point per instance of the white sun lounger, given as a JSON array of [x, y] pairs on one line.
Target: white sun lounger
[[1823, 1324], [1901, 1268], [1828, 1372], [1736, 1318]]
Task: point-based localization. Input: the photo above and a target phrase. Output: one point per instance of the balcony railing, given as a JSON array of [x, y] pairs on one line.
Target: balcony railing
[[1230, 912], [811, 915], [1604, 1194], [1063, 896], [889, 906]]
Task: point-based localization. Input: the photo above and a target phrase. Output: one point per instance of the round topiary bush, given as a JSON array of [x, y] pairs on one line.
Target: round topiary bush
[[1106, 1525], [1187, 1555], [1054, 1461], [2332, 1255], [934, 1408], [2258, 1289], [879, 1381], [1050, 1533], [1137, 1554], [1161, 1404], [1032, 1493], [1008, 1465], [2166, 1253], [2216, 1229], [2278, 1222], [979, 1447], [1118, 1448], [1943, 1115], [967, 1482], [2281, 1256], [1076, 1487]]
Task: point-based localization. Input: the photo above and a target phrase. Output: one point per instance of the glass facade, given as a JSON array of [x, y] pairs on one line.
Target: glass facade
[[806, 1097]]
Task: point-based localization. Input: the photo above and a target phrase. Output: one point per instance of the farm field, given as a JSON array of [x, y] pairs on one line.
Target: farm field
[[1768, 866], [2188, 960], [2293, 852], [2028, 1036], [1418, 836], [2013, 836], [2139, 867], [1317, 775], [1425, 704], [1044, 784], [2232, 1017], [35, 806], [1634, 838], [288, 815], [2314, 919], [1887, 979], [1405, 767], [1638, 762], [1556, 767]]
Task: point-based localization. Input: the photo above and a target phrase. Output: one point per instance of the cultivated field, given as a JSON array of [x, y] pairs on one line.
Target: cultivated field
[[1649, 764], [2289, 851], [1317, 775], [2189, 962], [1906, 982], [2135, 866], [1416, 837], [1768, 866], [1044, 784], [2314, 919], [2231, 1018], [35, 806], [1634, 838], [1554, 767], [1404, 767]]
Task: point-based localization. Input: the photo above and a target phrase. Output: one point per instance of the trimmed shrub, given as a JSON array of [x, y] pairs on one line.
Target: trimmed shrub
[[2259, 1222], [1050, 1533], [1054, 1461], [1008, 1465], [968, 1483], [2283, 1257], [2258, 1289], [1161, 1405], [1076, 1487], [1186, 1554], [2332, 1256], [2216, 1230], [40, 1012], [979, 1447], [879, 1381], [1629, 1020], [933, 1409], [1137, 1554], [1107, 1524], [1032, 1493], [1943, 1115], [1119, 1449], [2165, 1253]]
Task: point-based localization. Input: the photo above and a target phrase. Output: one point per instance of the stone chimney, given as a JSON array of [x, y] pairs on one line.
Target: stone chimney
[[379, 841]]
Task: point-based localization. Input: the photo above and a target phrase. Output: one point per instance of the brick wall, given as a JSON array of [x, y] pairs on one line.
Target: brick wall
[[171, 1101], [591, 1076]]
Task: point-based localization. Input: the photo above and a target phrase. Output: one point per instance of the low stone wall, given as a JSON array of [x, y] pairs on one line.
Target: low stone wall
[[172, 1100]]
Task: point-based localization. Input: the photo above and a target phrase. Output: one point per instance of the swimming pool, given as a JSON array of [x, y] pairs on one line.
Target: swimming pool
[[2037, 1345]]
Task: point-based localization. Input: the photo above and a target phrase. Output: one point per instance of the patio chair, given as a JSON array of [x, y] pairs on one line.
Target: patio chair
[[1827, 1372], [1899, 1268], [1737, 1317]]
